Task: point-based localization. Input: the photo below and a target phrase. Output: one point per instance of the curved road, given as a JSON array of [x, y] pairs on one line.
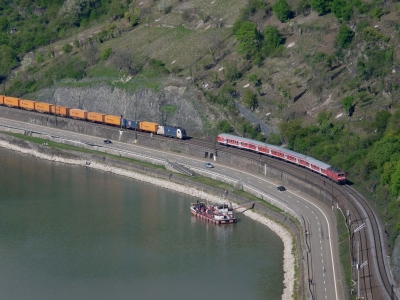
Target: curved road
[[321, 234]]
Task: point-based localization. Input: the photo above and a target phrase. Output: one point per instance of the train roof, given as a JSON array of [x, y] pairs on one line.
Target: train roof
[[308, 158]]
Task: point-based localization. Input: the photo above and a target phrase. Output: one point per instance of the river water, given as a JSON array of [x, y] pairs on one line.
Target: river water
[[69, 232]]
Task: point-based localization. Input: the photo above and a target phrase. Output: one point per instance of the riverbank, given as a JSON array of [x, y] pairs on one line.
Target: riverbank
[[286, 237]]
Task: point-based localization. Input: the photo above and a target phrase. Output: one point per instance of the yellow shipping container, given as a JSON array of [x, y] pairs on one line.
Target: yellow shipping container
[[43, 107], [148, 126], [95, 117], [11, 101], [78, 113], [112, 120], [60, 110]]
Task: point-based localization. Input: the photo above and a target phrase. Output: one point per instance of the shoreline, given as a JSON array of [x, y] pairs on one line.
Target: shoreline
[[285, 236]]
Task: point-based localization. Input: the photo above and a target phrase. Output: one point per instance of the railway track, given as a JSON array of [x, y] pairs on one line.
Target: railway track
[[375, 278]]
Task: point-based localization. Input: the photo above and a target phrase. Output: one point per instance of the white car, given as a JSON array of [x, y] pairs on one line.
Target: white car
[[208, 165]]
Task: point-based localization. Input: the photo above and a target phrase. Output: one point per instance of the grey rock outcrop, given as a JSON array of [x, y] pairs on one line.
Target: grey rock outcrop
[[143, 104]]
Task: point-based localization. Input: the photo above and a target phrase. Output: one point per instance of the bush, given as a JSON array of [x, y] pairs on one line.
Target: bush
[[39, 57], [224, 127], [250, 100], [248, 38], [105, 54], [67, 48], [378, 63], [348, 103], [282, 10], [345, 36], [321, 6], [272, 39]]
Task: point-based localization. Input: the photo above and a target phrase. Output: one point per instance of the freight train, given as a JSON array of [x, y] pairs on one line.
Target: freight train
[[302, 160], [80, 114]]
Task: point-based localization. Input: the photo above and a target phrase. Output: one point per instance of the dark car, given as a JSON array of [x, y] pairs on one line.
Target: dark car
[[107, 142], [281, 188], [208, 165]]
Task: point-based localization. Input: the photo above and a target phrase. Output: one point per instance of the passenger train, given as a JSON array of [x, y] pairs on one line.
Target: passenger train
[[290, 156]]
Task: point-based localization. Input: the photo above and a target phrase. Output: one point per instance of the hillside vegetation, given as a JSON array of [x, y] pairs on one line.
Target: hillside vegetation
[[323, 73]]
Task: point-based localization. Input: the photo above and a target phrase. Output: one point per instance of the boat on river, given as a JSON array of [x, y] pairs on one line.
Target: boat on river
[[217, 213]]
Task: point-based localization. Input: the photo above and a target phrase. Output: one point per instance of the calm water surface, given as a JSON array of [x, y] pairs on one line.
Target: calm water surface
[[69, 232]]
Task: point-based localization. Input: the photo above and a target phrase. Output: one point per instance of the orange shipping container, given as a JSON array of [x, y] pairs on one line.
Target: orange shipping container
[[1, 99], [78, 113], [27, 104], [148, 126], [112, 120], [11, 101], [60, 110], [43, 107], [95, 117]]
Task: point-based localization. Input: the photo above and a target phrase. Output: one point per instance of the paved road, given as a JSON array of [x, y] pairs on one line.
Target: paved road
[[322, 234]]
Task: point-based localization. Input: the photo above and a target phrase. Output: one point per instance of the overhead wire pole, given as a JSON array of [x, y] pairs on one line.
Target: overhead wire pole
[[359, 266]]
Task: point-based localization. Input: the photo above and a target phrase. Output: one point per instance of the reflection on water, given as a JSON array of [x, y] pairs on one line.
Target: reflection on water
[[74, 233]]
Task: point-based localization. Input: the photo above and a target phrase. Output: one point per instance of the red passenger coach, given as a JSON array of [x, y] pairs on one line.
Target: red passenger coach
[[285, 154]]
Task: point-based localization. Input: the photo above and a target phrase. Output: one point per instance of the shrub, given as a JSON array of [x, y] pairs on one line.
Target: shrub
[[224, 127], [272, 39], [282, 10], [250, 100], [348, 103], [321, 6], [39, 57], [105, 54], [248, 37], [345, 36], [67, 48]]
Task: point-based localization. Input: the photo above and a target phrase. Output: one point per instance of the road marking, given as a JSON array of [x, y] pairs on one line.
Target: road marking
[[289, 197], [306, 206]]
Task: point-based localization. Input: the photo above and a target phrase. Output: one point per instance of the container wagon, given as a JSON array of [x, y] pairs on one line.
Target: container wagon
[[43, 107], [1, 99], [78, 113], [95, 117], [11, 101], [27, 104], [112, 120], [60, 110], [130, 124], [148, 126]]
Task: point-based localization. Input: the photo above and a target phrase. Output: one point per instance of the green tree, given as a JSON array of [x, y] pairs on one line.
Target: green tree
[[250, 99], [8, 59], [39, 57], [67, 48], [345, 36], [274, 139], [249, 38], [272, 39], [282, 10], [321, 6], [348, 103], [381, 120], [337, 7], [224, 126], [395, 181]]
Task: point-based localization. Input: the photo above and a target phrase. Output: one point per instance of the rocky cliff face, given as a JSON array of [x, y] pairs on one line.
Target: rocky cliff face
[[172, 105]]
